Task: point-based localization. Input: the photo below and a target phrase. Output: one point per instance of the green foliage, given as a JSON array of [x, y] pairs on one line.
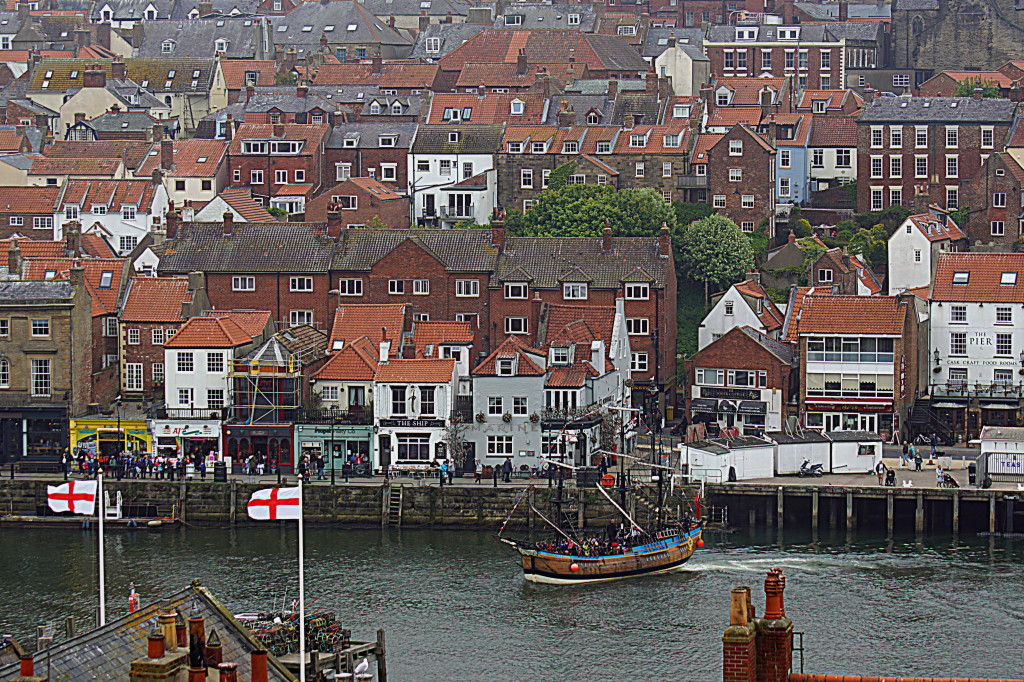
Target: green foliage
[[965, 88], [277, 212], [777, 295], [759, 243], [468, 225], [961, 215], [689, 213], [581, 211], [713, 250], [377, 224], [801, 226], [812, 251], [847, 226], [872, 245], [559, 177], [285, 78], [891, 218]]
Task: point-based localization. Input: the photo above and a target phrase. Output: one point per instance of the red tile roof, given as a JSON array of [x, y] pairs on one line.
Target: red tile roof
[[999, 79], [253, 322], [771, 317], [355, 320], [55, 166], [357, 361], [835, 98], [491, 108], [110, 193], [655, 143], [155, 299], [396, 74], [730, 116], [747, 90], [132, 152], [512, 347], [240, 199], [541, 46], [187, 155], [579, 324], [422, 371], [435, 333], [11, 142], [209, 332], [378, 189], [573, 376], [31, 248], [984, 279], [104, 298], [312, 133], [834, 131], [705, 141], [866, 276], [852, 315], [934, 230], [507, 76], [793, 312], [96, 246], [29, 199], [235, 69]]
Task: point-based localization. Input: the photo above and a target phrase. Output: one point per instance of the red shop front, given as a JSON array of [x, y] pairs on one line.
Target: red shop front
[[271, 444]]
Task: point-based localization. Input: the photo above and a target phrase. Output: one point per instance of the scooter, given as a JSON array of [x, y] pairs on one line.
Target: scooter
[[808, 469]]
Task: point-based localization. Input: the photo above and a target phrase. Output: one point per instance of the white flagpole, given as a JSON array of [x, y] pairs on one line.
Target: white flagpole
[[302, 594], [103, 578]]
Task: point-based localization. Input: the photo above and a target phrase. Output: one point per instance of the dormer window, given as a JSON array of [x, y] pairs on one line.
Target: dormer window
[[538, 147], [819, 106], [433, 45], [396, 108], [167, 46], [220, 45], [627, 30], [453, 137], [681, 111], [506, 367], [574, 292], [374, 107], [386, 141], [570, 147], [637, 140], [517, 107], [593, 119], [746, 34], [604, 147], [722, 99], [559, 356], [789, 33], [513, 19], [515, 147]]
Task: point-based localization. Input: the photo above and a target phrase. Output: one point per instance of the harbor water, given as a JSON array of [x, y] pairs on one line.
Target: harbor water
[[455, 606]]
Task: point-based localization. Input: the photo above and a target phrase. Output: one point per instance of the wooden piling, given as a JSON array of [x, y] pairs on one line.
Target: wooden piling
[[233, 511], [382, 664], [956, 512], [814, 509], [580, 514], [851, 519], [779, 508], [889, 521], [919, 514], [769, 517], [992, 513], [833, 512], [752, 518]]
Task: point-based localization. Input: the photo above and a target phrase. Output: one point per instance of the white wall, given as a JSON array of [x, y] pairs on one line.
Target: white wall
[[717, 323], [981, 331], [905, 272], [199, 380], [432, 181]]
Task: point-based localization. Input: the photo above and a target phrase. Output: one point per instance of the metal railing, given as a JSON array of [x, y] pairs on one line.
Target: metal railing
[[465, 211], [163, 412], [976, 390], [329, 415]]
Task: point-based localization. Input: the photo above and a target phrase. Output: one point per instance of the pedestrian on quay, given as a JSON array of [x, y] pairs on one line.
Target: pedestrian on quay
[[938, 476], [320, 467], [494, 474], [451, 471], [444, 472], [478, 471], [551, 474], [603, 465], [905, 456], [506, 470], [202, 469], [880, 472], [934, 442], [918, 461], [65, 463], [911, 454]]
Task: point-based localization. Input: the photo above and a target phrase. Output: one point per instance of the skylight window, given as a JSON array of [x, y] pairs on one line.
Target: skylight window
[[48, 74], [307, 29], [202, 159], [73, 74], [282, 28], [220, 22], [171, 73], [106, 277], [352, 27], [328, 28], [1008, 279], [961, 277], [195, 74]]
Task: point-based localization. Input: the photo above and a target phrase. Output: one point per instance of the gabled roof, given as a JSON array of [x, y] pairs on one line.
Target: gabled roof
[[304, 26], [254, 322], [18, 199], [393, 74], [922, 110], [155, 299], [354, 321], [542, 46], [457, 250], [375, 187], [834, 99], [571, 376], [357, 361], [92, 167], [132, 152], [984, 273], [235, 70], [209, 332], [198, 38], [434, 333], [302, 344], [852, 315], [422, 371], [491, 108], [785, 353], [578, 324], [935, 230], [103, 278], [529, 364], [312, 133], [797, 296], [834, 131], [770, 315], [747, 89], [193, 158], [472, 139], [251, 247], [240, 199], [31, 248], [110, 193], [548, 259]]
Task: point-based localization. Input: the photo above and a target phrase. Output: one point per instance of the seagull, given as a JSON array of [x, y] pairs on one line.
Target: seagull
[[363, 666]]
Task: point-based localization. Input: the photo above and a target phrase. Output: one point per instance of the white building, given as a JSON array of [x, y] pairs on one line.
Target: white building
[[686, 65], [832, 151], [120, 211], [452, 176], [743, 305], [976, 316], [914, 248]]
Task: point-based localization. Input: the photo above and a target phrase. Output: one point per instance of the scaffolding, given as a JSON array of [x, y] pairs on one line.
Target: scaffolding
[[267, 386]]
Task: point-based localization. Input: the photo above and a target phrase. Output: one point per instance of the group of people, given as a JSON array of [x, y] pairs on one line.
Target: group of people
[[130, 464], [887, 476]]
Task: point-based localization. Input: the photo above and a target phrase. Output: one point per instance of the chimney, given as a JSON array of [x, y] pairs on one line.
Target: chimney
[[391, 21], [228, 672], [23, 9], [42, 123], [155, 644], [334, 224], [385, 346], [14, 258], [566, 116], [278, 130], [229, 223], [708, 96], [664, 241], [118, 71], [94, 77], [498, 235], [77, 276], [196, 640], [613, 88], [181, 630], [82, 38], [628, 121], [103, 34], [377, 65], [977, 92], [196, 674], [166, 155], [157, 177], [448, 17], [213, 654], [606, 238], [79, 117], [521, 64], [651, 83], [301, 91], [205, 8], [259, 666], [792, 237], [171, 223], [765, 98], [158, 132], [1015, 91], [229, 128], [481, 91], [19, 130], [775, 632], [424, 20], [249, 91], [869, 94], [739, 643], [73, 238], [27, 662], [165, 621], [773, 128], [921, 199]]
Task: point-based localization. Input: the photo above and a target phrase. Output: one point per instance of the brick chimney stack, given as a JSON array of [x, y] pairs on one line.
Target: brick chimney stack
[[301, 91], [664, 241], [739, 643], [118, 71], [94, 77], [278, 130], [613, 88], [73, 238], [172, 221], [334, 224], [249, 92], [377, 65], [166, 155], [77, 276], [606, 238], [498, 234], [14, 258], [775, 632], [521, 63], [844, 10], [229, 223], [792, 237]]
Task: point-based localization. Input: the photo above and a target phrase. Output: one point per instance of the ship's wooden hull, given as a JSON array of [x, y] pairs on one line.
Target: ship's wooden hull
[[659, 556]]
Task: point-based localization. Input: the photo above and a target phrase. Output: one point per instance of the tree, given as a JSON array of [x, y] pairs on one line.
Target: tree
[[965, 88], [559, 177], [640, 213], [582, 210], [871, 244], [714, 250], [689, 213]]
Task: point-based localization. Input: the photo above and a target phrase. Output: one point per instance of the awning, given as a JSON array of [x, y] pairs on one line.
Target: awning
[[753, 407], [726, 406], [997, 406], [949, 406], [703, 405]]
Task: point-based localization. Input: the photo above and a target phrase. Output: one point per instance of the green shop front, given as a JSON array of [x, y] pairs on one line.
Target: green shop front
[[338, 444]]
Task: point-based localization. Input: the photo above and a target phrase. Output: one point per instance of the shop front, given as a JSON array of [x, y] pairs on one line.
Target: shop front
[[338, 444], [269, 444], [410, 444], [189, 439], [33, 434], [107, 437], [865, 415]]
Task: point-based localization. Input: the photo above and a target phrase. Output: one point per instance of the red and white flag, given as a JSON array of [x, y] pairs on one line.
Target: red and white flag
[[77, 497], [274, 504]]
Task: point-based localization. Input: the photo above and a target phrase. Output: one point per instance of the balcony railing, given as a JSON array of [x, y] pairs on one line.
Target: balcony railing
[[361, 416], [962, 389], [163, 412], [848, 393], [460, 212], [691, 181]]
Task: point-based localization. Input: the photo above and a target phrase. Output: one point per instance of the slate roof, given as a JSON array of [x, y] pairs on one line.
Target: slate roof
[[424, 371], [181, 8], [539, 15], [122, 122], [599, 86], [106, 653], [784, 352], [368, 134], [457, 250], [854, 10], [155, 299], [767, 32], [353, 321], [546, 259], [473, 139], [451, 36], [936, 110], [542, 46], [690, 39], [287, 102], [438, 8], [803, 436], [856, 30], [197, 38], [29, 290], [252, 247], [357, 361], [984, 277], [918, 5], [302, 27], [852, 315]]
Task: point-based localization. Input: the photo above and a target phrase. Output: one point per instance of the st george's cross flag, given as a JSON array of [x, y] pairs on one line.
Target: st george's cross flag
[[77, 497], [274, 504]]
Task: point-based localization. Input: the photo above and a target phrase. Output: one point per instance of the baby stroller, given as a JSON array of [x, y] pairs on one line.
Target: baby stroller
[[949, 482], [890, 478]]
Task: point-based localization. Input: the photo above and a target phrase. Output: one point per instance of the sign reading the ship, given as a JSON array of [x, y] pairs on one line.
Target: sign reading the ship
[[413, 423]]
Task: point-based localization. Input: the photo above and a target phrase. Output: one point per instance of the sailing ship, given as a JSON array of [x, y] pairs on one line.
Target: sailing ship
[[572, 556]]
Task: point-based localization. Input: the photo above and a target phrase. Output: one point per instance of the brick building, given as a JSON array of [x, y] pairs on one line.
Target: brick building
[[740, 168], [374, 150], [844, 273], [360, 202], [743, 379], [28, 208], [940, 142], [154, 309], [994, 199], [278, 267], [808, 53]]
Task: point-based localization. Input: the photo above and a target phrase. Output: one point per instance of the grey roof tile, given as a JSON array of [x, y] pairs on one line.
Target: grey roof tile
[[261, 247], [368, 134], [303, 26], [34, 290], [451, 36], [473, 139], [197, 38], [937, 109], [459, 250], [548, 259]]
